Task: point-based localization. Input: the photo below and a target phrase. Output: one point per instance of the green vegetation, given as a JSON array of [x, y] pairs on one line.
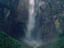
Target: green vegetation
[[8, 42], [59, 43]]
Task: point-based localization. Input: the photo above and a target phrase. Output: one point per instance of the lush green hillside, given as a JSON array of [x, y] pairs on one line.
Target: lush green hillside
[[8, 42]]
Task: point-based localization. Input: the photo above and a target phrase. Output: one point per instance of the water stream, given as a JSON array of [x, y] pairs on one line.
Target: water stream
[[30, 26], [31, 19]]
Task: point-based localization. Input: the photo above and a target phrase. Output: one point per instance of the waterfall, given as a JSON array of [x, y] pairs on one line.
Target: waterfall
[[31, 19], [29, 39]]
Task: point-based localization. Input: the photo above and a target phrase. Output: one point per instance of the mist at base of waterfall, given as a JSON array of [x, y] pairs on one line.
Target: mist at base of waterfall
[[33, 43]]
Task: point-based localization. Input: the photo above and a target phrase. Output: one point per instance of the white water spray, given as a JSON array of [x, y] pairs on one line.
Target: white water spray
[[30, 26], [31, 19]]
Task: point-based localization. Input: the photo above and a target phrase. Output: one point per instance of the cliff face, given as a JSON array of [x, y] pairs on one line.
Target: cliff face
[[22, 10], [15, 19], [45, 19]]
